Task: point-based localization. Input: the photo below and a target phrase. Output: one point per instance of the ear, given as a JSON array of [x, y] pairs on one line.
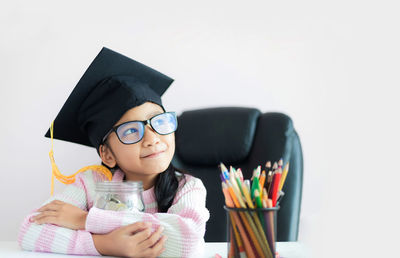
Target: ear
[[107, 156]]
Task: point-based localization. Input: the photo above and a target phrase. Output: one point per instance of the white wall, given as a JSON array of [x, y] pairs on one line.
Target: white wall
[[332, 66]]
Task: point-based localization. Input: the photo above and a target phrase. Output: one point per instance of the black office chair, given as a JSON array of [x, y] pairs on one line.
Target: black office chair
[[243, 138]]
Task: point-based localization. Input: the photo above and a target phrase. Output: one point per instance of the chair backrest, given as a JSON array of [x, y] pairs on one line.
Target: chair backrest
[[245, 138]]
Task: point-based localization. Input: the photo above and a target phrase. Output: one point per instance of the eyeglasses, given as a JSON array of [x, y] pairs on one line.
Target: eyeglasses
[[133, 131]]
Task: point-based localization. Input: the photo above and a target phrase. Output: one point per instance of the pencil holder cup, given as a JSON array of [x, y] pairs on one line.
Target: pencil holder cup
[[251, 232], [119, 196]]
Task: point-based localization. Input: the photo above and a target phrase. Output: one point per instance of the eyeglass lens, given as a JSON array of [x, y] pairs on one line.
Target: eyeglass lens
[[133, 132]]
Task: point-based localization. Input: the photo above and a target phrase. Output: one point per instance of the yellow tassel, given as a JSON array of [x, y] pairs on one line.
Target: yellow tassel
[[55, 172]]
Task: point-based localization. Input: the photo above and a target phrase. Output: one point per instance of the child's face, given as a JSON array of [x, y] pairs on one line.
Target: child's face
[[148, 157]]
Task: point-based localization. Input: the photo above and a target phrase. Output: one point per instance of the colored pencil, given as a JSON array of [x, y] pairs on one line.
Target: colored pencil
[[255, 186], [237, 237], [268, 165], [259, 204], [275, 186], [229, 202], [262, 181], [255, 225], [248, 222], [280, 163], [280, 195], [284, 175], [267, 203], [240, 174], [231, 253]]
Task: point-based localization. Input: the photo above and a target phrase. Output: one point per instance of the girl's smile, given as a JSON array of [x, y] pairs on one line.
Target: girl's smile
[[153, 155]]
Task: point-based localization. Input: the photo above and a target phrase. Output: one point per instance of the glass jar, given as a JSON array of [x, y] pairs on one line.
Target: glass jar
[[119, 196]]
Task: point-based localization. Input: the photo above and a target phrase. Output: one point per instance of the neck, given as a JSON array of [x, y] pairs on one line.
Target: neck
[[147, 180]]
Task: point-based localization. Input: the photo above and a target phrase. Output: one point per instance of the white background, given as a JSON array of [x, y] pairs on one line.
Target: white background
[[333, 67]]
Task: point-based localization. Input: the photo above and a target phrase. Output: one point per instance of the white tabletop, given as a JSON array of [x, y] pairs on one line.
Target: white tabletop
[[10, 249]]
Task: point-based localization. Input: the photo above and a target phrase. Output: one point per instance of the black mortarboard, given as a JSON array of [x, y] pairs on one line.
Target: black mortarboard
[[111, 85]]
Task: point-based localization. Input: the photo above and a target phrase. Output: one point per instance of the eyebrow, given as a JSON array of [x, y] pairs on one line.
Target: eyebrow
[[154, 114], [150, 116]]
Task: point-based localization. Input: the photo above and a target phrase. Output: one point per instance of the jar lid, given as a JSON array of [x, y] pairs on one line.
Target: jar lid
[[130, 186]]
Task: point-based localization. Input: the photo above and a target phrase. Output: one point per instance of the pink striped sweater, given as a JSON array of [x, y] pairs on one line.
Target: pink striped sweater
[[184, 223]]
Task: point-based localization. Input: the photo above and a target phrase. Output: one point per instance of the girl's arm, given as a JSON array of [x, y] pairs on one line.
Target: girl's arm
[[56, 239], [184, 223], [134, 240]]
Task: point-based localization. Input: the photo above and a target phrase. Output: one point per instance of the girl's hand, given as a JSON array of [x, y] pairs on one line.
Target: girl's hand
[[62, 214], [134, 240]]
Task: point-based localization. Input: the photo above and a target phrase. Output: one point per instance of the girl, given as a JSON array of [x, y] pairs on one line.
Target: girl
[[116, 108]]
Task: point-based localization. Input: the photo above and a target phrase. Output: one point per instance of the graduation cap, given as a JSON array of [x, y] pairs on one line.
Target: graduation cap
[[112, 84]]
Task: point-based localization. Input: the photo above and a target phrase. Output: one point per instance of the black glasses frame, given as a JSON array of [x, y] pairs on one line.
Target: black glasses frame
[[144, 122]]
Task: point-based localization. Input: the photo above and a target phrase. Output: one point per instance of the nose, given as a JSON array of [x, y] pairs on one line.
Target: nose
[[150, 137]]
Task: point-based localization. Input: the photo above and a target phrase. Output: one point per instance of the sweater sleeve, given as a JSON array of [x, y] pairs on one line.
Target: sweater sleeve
[[184, 223], [56, 239]]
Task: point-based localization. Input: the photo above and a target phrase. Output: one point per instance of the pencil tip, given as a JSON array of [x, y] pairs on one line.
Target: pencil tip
[[222, 166]]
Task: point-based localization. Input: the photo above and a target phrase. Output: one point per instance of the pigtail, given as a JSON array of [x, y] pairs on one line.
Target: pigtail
[[166, 187]]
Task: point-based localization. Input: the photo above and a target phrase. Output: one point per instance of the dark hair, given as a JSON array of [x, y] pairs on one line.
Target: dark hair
[[166, 187]]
